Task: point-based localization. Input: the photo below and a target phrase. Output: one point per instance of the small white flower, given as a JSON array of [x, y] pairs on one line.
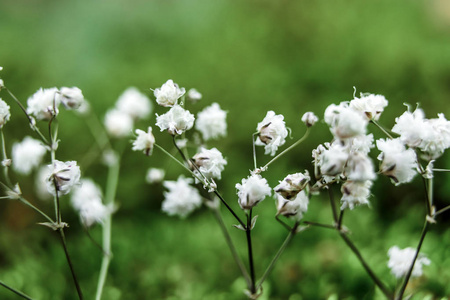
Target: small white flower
[[436, 136], [410, 126], [168, 94], [118, 124], [252, 191], [292, 185], [4, 113], [370, 105], [349, 124], [145, 141], [211, 122], [63, 177], [134, 103], [72, 98], [397, 162], [361, 143], [181, 199], [109, 157], [27, 155], [294, 208], [155, 175], [272, 133], [93, 212], [194, 95], [87, 191], [355, 193], [309, 118], [44, 104], [176, 121], [331, 159], [400, 261], [359, 167], [210, 163]]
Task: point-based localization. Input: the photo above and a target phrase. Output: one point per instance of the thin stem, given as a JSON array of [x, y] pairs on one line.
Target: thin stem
[[341, 217], [319, 224], [254, 150], [427, 196], [15, 291], [442, 211], [248, 232], [441, 170], [287, 149], [277, 256], [188, 161], [375, 279], [230, 244], [333, 205], [63, 241], [408, 275], [230, 209], [283, 223], [381, 128], [5, 157], [24, 201]]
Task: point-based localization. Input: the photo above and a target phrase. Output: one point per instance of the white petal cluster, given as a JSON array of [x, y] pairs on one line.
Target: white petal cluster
[[211, 122], [194, 95], [176, 121], [43, 104], [400, 261], [87, 200], [118, 124], [309, 118], [72, 98], [292, 184], [355, 193], [181, 199], [330, 159], [210, 162], [294, 208], [252, 191], [145, 141], [359, 167], [344, 121], [169, 93], [134, 103], [27, 155], [436, 138], [410, 127], [370, 105], [4, 113], [63, 177], [155, 175], [397, 162], [272, 132]]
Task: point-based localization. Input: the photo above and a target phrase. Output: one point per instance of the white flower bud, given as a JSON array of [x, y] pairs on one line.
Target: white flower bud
[[272, 133], [252, 191], [145, 141], [292, 185], [194, 95], [309, 118], [168, 94], [176, 121], [72, 98]]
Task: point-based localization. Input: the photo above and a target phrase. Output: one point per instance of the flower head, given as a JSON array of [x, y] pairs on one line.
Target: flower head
[[272, 132], [4, 113], [144, 141], [176, 121], [155, 175], [168, 94], [118, 124], [410, 126], [181, 198], [27, 155], [72, 98], [194, 95], [370, 105], [211, 122], [400, 261], [355, 193], [292, 185], [330, 159], [309, 118], [210, 162], [44, 104], [134, 103], [87, 200], [252, 191], [294, 208], [64, 176], [436, 137], [359, 167]]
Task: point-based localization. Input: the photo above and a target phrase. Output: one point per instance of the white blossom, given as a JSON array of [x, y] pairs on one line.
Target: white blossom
[[176, 121], [155, 175], [118, 124], [349, 124], [272, 132], [194, 95], [292, 184], [410, 126], [400, 261], [4, 113], [145, 141], [63, 177], [134, 103], [211, 122], [93, 212], [359, 167], [181, 198], [355, 193], [331, 158], [210, 163], [309, 118], [294, 208], [397, 162], [72, 98], [27, 155], [252, 191], [436, 136], [86, 191], [44, 104], [168, 94], [370, 105], [361, 143]]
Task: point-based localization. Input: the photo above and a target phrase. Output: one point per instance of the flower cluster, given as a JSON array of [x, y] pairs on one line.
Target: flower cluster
[[63, 177], [272, 132], [181, 199], [27, 155], [400, 261]]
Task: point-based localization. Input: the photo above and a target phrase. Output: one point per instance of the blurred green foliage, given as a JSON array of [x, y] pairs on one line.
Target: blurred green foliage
[[249, 56]]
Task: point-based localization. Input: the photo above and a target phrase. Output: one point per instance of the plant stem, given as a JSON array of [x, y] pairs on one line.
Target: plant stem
[[442, 210], [319, 224], [15, 291], [333, 205], [24, 201], [277, 256], [441, 170], [255, 165], [248, 231], [381, 128], [63, 241], [283, 223], [341, 217], [229, 208], [5, 157]]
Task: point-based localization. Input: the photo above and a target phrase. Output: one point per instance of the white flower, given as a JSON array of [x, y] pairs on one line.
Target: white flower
[[181, 198], [181, 143], [72, 98], [87, 191], [294, 208], [370, 105], [359, 167], [400, 261], [144, 141], [118, 124], [210, 163], [168, 94], [27, 155], [361, 143], [211, 122], [155, 175], [397, 162], [63, 177], [176, 121], [93, 212], [252, 191], [194, 95], [411, 127], [331, 161], [332, 113], [350, 123], [134, 103], [292, 185], [355, 193], [4, 113], [40, 183], [272, 132], [436, 136], [309, 118], [44, 104]]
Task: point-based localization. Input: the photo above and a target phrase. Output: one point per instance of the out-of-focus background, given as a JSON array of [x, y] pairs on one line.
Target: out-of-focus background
[[251, 57]]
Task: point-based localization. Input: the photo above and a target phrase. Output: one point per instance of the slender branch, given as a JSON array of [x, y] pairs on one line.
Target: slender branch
[[255, 165], [381, 128], [230, 209], [441, 170], [24, 201], [341, 217], [248, 232], [63, 241], [333, 205], [319, 224], [15, 291], [442, 210], [5, 158], [283, 223]]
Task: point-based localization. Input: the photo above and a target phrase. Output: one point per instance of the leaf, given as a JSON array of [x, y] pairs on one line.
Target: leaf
[[240, 227], [253, 222]]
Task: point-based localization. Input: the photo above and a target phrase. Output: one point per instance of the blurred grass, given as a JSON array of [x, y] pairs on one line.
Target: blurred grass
[[249, 56]]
